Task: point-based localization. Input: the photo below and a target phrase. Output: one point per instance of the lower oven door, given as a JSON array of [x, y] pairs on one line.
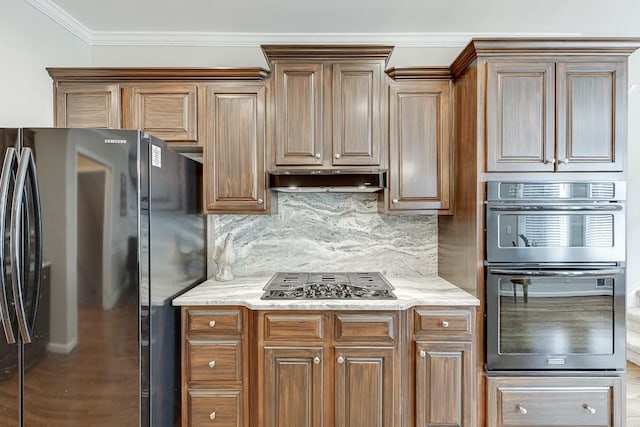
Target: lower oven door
[[555, 317]]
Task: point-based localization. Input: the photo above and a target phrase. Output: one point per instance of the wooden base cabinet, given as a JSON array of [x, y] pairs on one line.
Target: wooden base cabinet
[[555, 401]]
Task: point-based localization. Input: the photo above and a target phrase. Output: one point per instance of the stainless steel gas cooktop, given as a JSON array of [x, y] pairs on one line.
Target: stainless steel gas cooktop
[[328, 286]]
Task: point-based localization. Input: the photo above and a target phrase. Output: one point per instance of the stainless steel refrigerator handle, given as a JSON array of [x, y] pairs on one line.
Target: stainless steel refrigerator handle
[[15, 238], [7, 168], [556, 273], [542, 208], [37, 213]]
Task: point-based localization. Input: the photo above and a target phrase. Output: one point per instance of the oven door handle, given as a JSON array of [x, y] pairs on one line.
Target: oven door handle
[[542, 208], [557, 273]]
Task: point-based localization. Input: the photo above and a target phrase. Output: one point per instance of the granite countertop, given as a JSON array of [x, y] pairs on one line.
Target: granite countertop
[[246, 291]]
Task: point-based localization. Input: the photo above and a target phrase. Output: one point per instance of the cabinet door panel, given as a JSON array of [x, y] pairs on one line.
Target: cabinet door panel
[[591, 131], [443, 379], [168, 111], [520, 116], [293, 387], [364, 387], [88, 105], [234, 153], [298, 114], [419, 146], [357, 128]]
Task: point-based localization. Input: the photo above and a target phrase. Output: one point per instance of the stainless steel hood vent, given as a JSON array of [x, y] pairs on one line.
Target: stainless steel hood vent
[[328, 180]]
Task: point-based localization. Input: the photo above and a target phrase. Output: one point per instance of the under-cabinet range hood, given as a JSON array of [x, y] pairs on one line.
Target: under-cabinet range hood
[[328, 180]]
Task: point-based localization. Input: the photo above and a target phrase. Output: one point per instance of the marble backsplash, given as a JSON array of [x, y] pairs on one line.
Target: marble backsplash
[[327, 232]]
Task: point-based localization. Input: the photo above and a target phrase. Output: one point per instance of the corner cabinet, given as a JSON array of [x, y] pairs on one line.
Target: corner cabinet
[[559, 115], [420, 120], [234, 158], [328, 105]]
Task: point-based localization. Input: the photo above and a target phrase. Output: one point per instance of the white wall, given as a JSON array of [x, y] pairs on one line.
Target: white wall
[[29, 42]]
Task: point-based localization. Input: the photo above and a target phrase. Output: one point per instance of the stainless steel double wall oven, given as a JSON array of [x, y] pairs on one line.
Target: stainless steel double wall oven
[[555, 275]]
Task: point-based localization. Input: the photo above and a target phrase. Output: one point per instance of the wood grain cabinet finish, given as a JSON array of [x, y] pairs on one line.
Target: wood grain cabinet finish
[[234, 159], [444, 368], [299, 113], [357, 118], [420, 118], [364, 387], [169, 111], [82, 105], [562, 116], [444, 372], [215, 367], [343, 373], [555, 401], [293, 387]]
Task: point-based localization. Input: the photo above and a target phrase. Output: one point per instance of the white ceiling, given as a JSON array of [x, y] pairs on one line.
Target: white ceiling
[[98, 21]]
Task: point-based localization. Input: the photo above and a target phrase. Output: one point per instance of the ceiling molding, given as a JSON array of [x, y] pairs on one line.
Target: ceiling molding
[[62, 18], [237, 39]]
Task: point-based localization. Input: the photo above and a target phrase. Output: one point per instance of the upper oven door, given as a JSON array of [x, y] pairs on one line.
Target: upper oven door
[[552, 232]]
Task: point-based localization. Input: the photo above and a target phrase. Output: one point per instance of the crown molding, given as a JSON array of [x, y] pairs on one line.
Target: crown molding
[[237, 39], [62, 18]]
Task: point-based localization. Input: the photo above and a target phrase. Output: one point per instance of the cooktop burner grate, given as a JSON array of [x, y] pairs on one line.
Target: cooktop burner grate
[[328, 286]]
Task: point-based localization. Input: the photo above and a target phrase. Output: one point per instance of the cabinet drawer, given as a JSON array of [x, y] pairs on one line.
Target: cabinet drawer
[[554, 401], [215, 408], [293, 326], [356, 327], [453, 323], [215, 322], [214, 361]]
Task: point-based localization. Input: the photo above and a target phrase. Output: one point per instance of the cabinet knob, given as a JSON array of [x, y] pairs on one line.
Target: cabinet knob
[[259, 201], [337, 156], [316, 360], [340, 360], [565, 161], [423, 353], [394, 201], [212, 415], [591, 409], [547, 161], [212, 323], [521, 409], [445, 324], [212, 364], [318, 155]]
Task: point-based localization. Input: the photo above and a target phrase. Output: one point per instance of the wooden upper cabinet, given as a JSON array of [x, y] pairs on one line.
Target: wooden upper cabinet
[[298, 113], [520, 116], [168, 111], [556, 116], [357, 124], [591, 100], [419, 146], [234, 159], [82, 105]]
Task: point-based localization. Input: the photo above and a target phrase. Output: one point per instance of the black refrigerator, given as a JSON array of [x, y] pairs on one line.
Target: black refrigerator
[[102, 229]]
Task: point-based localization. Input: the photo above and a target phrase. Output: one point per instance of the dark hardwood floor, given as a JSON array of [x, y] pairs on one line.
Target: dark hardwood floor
[[633, 395]]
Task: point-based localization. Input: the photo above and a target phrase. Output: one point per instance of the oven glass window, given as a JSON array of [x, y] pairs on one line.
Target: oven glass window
[[556, 231], [556, 315]]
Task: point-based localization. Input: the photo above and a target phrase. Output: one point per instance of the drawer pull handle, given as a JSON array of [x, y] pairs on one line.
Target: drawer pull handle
[[316, 360], [212, 364], [591, 409], [521, 409], [212, 415], [445, 324], [423, 353], [340, 360], [212, 323]]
